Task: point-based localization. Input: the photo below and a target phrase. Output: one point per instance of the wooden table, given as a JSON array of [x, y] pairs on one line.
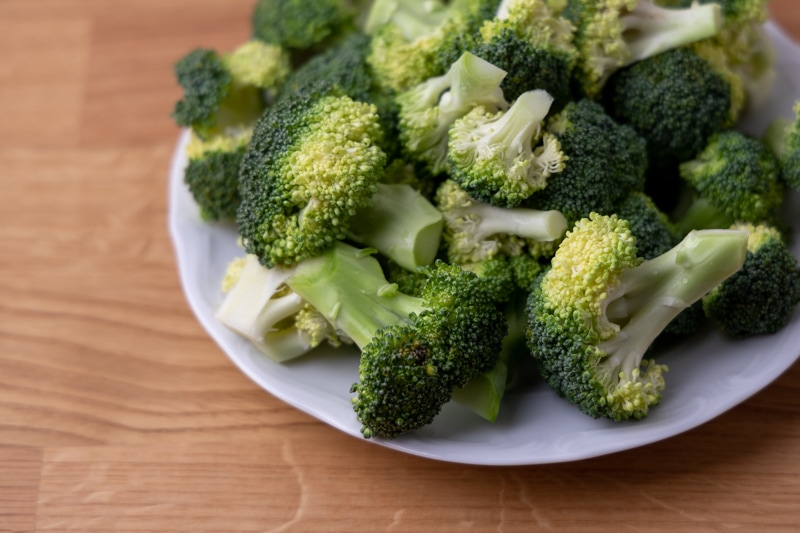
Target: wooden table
[[119, 413]]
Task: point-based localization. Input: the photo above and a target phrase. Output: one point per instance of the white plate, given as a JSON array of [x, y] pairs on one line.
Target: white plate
[[708, 374]]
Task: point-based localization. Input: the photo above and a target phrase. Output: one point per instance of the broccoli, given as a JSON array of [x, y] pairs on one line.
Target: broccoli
[[612, 34], [212, 173], [676, 101], [761, 297], [260, 307], [401, 224], [530, 43], [221, 92], [492, 155], [301, 25], [599, 307], [414, 350], [427, 110], [408, 37], [312, 162], [475, 231], [783, 138], [606, 161], [735, 178]]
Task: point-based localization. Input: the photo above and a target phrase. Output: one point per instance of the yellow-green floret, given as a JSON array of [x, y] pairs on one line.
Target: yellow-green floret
[[597, 309], [313, 161]]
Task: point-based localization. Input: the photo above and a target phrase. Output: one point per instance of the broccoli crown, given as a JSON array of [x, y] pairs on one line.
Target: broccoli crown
[[530, 43], [259, 64], [299, 24], [212, 174], [606, 161], [761, 297], [675, 100], [652, 229], [475, 231], [312, 162], [790, 158], [408, 37], [737, 175], [498, 274], [492, 155], [599, 307], [612, 34], [414, 350], [206, 82], [427, 111], [343, 66], [214, 99]]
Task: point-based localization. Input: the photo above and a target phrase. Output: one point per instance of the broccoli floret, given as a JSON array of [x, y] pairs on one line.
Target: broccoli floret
[[409, 36], [733, 11], [530, 43], [761, 297], [495, 157], [676, 101], [598, 308], [427, 111], [414, 350], [474, 231], [606, 161], [301, 25], [312, 162], [735, 178], [261, 308], [222, 92], [212, 173], [783, 138], [612, 34]]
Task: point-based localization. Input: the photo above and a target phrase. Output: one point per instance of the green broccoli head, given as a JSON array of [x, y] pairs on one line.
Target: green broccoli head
[[676, 101], [654, 231], [783, 138], [475, 231], [599, 307], [736, 175], [760, 298], [494, 157], [605, 162], [428, 110], [226, 92], [312, 162], [414, 349], [530, 43], [300, 24], [212, 173], [612, 34]]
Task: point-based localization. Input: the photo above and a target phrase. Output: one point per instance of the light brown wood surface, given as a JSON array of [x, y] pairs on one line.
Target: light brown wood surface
[[119, 413]]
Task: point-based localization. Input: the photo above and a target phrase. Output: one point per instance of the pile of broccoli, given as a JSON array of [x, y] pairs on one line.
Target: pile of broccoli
[[453, 187]]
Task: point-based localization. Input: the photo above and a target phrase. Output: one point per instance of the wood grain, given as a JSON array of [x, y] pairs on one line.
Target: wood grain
[[118, 413]]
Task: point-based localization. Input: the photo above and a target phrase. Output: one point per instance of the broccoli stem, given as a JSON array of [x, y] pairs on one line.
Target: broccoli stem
[[401, 224], [650, 29], [702, 214], [348, 287], [522, 222], [254, 308], [518, 127], [650, 295]]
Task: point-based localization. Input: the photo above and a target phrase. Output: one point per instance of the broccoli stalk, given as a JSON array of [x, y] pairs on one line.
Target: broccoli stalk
[[599, 307], [475, 230], [429, 109], [401, 224], [259, 307], [492, 156], [612, 34]]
